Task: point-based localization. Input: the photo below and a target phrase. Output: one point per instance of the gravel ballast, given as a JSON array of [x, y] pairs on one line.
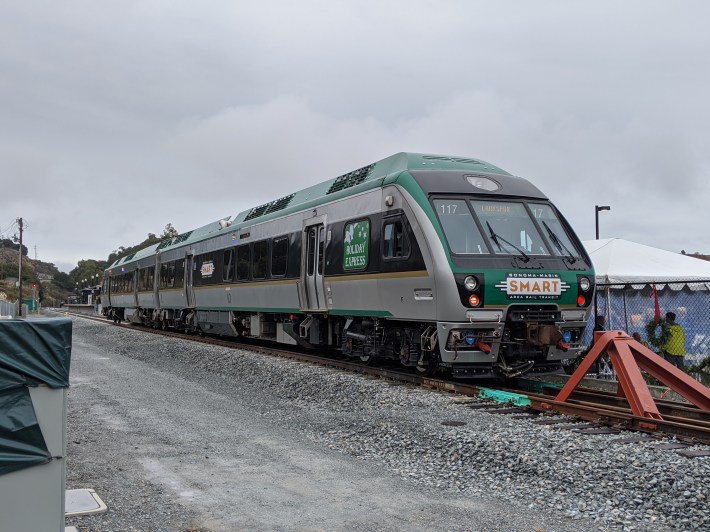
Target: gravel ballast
[[376, 456]]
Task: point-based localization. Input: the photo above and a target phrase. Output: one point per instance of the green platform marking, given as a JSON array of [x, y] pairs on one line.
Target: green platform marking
[[504, 397]]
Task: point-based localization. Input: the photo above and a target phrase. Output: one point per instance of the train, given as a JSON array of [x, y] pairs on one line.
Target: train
[[438, 263]]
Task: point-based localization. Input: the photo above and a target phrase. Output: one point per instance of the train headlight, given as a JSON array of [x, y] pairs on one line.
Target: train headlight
[[471, 283], [584, 284]]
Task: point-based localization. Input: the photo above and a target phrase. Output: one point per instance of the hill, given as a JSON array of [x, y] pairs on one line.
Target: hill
[[50, 285]]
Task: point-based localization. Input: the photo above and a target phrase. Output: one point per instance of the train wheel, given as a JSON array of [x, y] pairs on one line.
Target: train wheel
[[365, 359], [428, 369]]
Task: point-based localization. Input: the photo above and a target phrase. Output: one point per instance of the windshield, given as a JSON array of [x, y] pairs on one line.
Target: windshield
[[502, 227], [510, 221], [547, 218], [460, 229]]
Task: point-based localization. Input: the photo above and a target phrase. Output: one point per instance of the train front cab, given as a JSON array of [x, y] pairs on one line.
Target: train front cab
[[514, 284]]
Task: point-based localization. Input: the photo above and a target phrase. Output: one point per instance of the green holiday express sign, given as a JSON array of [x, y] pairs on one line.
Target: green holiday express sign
[[357, 245]]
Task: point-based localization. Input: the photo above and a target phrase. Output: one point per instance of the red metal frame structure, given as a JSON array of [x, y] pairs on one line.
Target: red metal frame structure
[[629, 357]]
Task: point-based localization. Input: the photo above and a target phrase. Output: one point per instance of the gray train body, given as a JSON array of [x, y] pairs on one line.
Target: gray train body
[[366, 264]]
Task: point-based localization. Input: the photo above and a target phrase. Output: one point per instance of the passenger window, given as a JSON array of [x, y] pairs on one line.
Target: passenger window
[[177, 274], [279, 257], [311, 266], [261, 256], [228, 265], [321, 249], [243, 263], [206, 270], [394, 241]]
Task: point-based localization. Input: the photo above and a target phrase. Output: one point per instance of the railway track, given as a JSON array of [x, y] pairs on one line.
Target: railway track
[[606, 411]]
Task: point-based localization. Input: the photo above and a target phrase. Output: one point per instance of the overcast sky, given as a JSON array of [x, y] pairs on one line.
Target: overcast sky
[[117, 118]]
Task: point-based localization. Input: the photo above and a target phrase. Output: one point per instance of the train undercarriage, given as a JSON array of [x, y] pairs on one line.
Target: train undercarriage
[[535, 343]]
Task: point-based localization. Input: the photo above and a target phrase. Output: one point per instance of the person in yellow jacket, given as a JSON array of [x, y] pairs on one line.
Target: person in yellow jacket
[[674, 350]]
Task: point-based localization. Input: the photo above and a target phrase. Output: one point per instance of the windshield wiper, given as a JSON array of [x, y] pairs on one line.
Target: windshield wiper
[[560, 245], [495, 238]]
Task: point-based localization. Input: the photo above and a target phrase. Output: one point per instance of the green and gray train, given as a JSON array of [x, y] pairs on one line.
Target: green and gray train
[[438, 262]]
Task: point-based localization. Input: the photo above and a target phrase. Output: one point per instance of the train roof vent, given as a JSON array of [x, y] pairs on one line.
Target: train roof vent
[[268, 208], [174, 240], [451, 159], [350, 179]]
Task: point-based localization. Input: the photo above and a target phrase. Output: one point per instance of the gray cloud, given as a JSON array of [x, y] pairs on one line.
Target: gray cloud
[[120, 118]]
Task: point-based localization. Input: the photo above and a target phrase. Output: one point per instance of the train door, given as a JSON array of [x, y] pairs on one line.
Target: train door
[[312, 267], [156, 282], [189, 271], [134, 286], [106, 292]]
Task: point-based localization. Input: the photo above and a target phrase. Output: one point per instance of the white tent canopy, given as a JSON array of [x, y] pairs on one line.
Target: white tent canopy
[[619, 261]]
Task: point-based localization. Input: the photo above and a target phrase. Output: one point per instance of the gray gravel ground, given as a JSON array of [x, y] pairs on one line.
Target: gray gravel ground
[[180, 436]]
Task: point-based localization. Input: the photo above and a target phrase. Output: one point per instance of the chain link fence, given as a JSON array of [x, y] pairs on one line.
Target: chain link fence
[[8, 309], [630, 308]]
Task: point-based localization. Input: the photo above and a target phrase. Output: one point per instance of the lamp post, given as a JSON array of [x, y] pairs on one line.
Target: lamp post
[[598, 208]]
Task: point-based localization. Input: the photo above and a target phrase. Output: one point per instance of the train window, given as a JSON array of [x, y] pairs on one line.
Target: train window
[[394, 240], [509, 227], [261, 257], [460, 229], [206, 269], [321, 249], [279, 256], [228, 265], [178, 273], [356, 247], [311, 258], [243, 262], [552, 227]]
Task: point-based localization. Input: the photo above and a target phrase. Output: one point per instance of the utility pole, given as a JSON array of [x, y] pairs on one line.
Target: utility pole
[[19, 223]]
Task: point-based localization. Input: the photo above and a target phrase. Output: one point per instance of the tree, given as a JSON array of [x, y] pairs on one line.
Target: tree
[[64, 280], [169, 232], [87, 272], [6, 242]]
